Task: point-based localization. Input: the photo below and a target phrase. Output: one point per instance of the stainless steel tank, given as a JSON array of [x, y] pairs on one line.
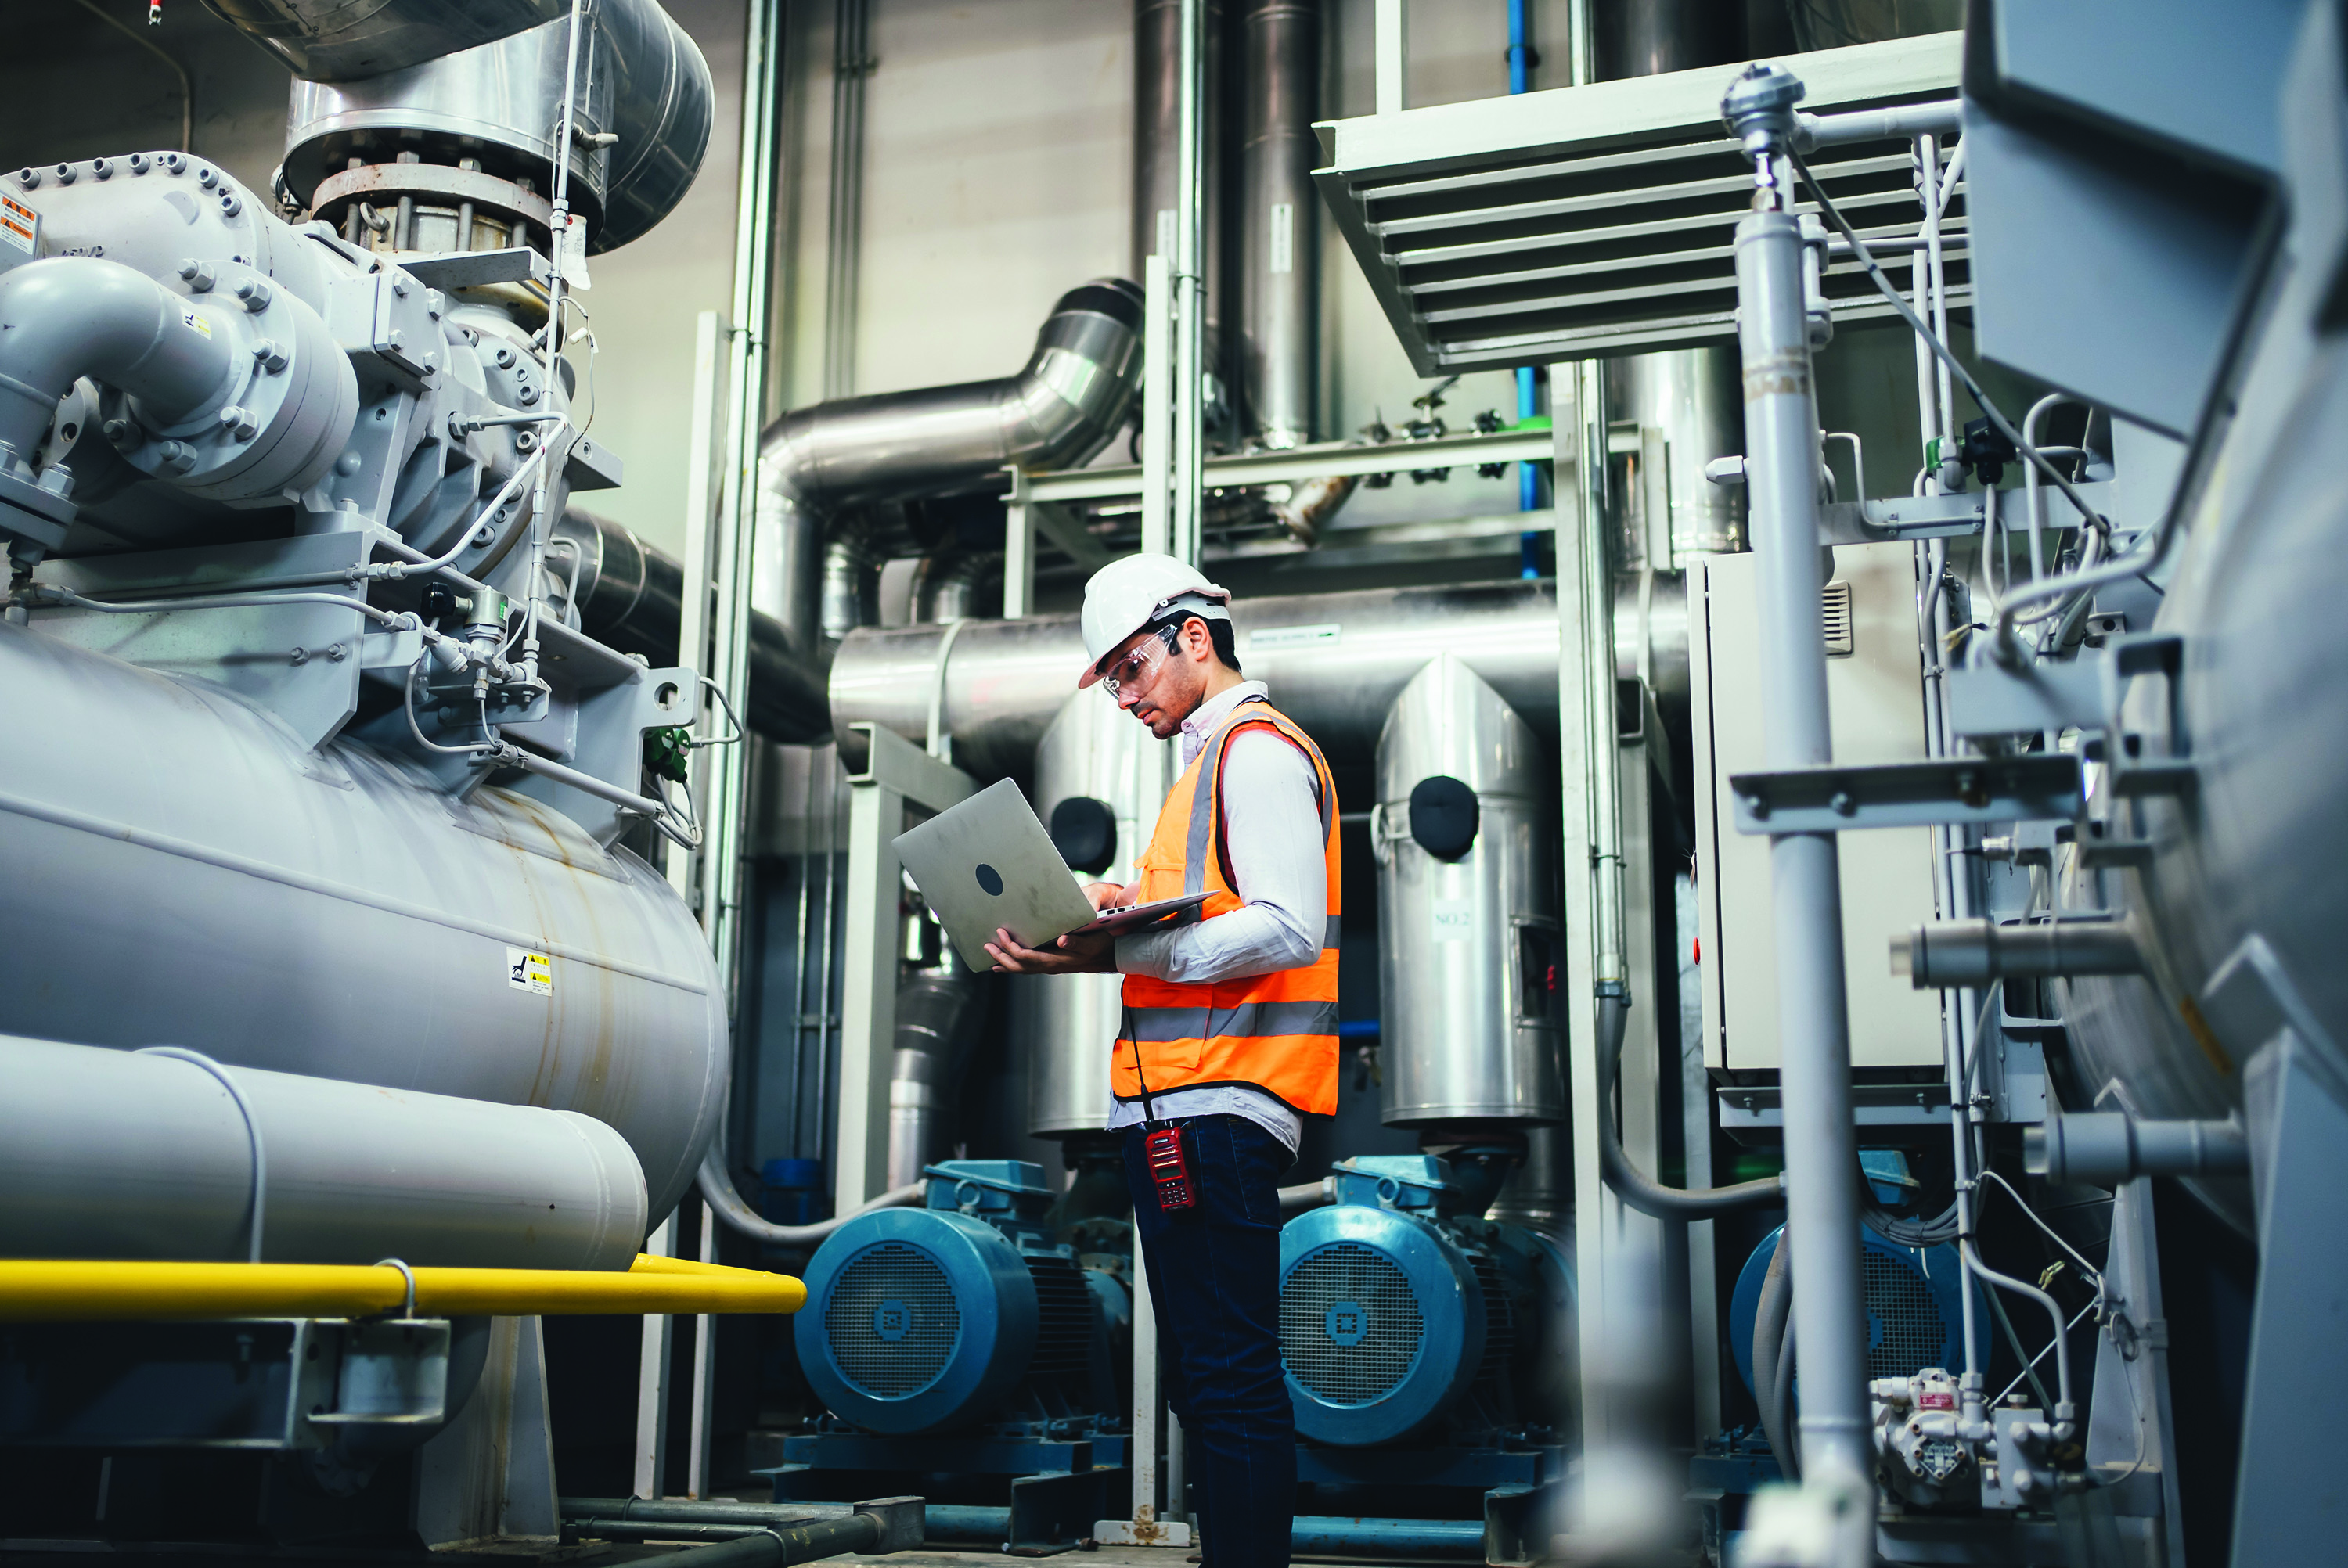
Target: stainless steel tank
[[1469, 954], [1067, 1023], [182, 871]]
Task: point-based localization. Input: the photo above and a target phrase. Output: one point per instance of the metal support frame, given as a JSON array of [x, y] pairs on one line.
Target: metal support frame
[[897, 774]]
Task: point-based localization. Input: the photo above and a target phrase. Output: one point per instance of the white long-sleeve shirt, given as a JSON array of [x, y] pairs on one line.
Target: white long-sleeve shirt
[[1271, 825]]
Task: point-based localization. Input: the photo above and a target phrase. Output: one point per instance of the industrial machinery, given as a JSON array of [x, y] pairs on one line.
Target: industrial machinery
[[1423, 1344], [960, 1338]]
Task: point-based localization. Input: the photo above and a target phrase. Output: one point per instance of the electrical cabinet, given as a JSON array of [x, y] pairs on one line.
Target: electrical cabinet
[[1875, 695]]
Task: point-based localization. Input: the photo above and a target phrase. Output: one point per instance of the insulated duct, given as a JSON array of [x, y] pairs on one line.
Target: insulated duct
[[1278, 292], [815, 463], [936, 1015], [127, 1154], [1006, 681], [404, 103]]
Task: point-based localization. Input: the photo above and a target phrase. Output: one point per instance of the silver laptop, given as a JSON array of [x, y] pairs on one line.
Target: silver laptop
[[988, 864]]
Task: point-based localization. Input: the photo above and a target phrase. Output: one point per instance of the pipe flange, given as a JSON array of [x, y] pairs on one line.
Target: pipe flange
[[35, 509], [372, 182]]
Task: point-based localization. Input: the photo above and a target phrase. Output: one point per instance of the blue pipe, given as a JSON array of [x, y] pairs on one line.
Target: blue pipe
[[1340, 1537], [1527, 399], [961, 1524], [1357, 1028]]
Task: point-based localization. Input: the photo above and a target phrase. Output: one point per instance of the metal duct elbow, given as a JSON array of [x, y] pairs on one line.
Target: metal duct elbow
[[342, 42], [1073, 395]]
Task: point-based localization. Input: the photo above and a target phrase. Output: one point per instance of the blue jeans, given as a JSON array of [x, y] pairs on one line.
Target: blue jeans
[[1214, 1278]]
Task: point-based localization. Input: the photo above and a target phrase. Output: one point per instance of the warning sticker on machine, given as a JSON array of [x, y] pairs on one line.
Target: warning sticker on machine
[[197, 322], [19, 225], [529, 971]]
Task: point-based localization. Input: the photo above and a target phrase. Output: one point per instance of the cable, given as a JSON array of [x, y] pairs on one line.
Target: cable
[[1769, 1319], [719, 693], [2014, 1342], [2061, 1348], [2089, 1269], [252, 1128], [407, 706]]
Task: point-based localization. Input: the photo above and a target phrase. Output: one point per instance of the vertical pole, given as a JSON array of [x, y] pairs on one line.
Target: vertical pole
[[867, 1003], [1822, 1211], [1190, 291], [1393, 56], [1141, 1451], [651, 1383], [1580, 446], [701, 484], [730, 629], [704, 1371], [1018, 551], [1157, 405]]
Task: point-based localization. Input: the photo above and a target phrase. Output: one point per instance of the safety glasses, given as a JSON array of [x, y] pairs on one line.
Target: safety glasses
[[1129, 675]]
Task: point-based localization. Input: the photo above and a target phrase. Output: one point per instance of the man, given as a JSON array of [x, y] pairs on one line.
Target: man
[[1229, 1029]]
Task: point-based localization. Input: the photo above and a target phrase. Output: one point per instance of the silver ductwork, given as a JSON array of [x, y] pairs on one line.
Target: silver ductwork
[[1279, 282], [448, 116], [814, 464], [1158, 141], [1335, 661], [1470, 951], [938, 1013], [1091, 750]]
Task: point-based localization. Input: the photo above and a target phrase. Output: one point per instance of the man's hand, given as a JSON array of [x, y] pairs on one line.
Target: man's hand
[[1071, 954], [1110, 895]]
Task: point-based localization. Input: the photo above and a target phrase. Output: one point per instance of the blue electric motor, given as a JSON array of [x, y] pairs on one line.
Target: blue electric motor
[[1401, 1318], [962, 1313], [1914, 1314]]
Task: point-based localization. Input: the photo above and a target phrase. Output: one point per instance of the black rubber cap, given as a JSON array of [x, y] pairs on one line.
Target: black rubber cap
[[1084, 830], [1443, 816]]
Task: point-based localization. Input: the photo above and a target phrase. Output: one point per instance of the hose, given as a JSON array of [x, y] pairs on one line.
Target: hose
[[1770, 1318], [717, 1191], [1634, 1186], [1781, 1398]]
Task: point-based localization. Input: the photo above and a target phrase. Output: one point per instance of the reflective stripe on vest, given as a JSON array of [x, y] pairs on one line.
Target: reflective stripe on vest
[[1278, 1031]]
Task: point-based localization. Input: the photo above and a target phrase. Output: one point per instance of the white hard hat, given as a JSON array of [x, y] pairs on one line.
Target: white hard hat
[[1131, 593]]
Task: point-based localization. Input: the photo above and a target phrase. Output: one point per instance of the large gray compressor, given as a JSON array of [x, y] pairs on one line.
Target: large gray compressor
[[311, 767]]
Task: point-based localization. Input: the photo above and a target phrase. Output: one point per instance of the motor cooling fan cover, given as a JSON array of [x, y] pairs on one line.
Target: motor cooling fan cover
[[1914, 1314], [916, 1320], [1382, 1323]]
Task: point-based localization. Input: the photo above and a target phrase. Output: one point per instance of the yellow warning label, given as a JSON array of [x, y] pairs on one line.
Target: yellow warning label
[[19, 225], [197, 322], [529, 971]]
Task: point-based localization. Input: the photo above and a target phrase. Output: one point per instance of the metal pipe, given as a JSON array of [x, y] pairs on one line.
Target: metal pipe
[[1058, 411], [1897, 123], [1781, 477], [1278, 301], [1008, 680], [124, 1154], [1188, 273], [798, 1533], [2105, 1148], [72, 316], [1952, 954], [76, 1290], [934, 1037], [716, 1189], [1158, 190]]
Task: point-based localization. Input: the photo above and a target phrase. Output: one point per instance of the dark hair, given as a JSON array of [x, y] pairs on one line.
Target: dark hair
[[1219, 632]]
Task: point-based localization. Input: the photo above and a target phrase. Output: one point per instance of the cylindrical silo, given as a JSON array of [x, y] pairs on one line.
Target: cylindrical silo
[[1469, 958], [1092, 751]]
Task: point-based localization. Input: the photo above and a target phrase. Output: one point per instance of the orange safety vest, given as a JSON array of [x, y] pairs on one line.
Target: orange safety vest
[[1277, 1032]]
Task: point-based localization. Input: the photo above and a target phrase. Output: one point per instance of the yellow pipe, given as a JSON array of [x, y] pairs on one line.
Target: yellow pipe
[[73, 1289]]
